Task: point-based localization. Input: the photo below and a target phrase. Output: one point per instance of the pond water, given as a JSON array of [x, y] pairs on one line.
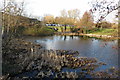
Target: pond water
[[104, 51]]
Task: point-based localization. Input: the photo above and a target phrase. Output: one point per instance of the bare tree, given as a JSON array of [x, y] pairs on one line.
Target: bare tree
[[102, 8], [75, 13], [11, 14], [69, 17], [73, 16], [60, 20], [64, 17], [86, 21], [64, 13], [49, 19]]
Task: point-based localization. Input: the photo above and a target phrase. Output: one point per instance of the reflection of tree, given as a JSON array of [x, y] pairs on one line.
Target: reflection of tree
[[61, 37], [84, 37], [71, 36], [65, 37]]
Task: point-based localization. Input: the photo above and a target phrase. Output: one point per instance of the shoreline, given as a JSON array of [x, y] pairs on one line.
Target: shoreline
[[89, 35]]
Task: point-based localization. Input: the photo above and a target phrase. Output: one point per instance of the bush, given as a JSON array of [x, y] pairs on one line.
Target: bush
[[106, 25], [34, 31], [30, 31], [93, 30], [45, 31], [115, 26]]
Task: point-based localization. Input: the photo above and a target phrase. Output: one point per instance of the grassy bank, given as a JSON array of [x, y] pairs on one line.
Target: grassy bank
[[34, 31], [97, 31], [112, 32]]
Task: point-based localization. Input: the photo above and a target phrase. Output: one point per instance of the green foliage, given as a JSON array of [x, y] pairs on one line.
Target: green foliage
[[44, 31], [34, 31], [20, 30], [93, 30], [29, 31]]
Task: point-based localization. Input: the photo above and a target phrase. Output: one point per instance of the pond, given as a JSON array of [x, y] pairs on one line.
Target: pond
[[104, 50]]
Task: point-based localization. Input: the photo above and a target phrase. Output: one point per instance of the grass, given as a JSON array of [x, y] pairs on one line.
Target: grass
[[111, 32], [103, 31], [60, 28]]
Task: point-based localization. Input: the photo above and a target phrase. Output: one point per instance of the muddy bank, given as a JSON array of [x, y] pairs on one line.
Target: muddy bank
[[25, 59], [15, 55]]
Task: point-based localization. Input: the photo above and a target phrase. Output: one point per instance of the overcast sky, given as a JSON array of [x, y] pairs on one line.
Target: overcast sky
[[39, 8]]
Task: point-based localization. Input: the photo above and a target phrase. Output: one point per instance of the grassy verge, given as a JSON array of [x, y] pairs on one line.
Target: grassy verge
[[112, 32]]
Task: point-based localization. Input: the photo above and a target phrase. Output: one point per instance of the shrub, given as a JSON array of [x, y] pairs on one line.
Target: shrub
[[44, 31], [34, 31]]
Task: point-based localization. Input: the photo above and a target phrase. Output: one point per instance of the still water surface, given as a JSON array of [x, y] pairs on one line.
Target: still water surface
[[104, 51]]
